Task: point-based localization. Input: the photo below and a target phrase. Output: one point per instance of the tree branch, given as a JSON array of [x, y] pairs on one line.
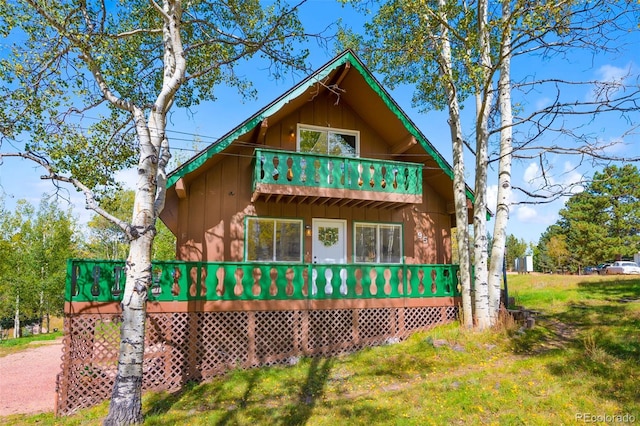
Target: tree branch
[[91, 203]]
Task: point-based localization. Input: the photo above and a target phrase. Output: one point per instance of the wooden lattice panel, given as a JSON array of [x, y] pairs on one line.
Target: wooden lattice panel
[[451, 313], [274, 341], [221, 342], [420, 318], [88, 361], [330, 331], [377, 325], [187, 346]]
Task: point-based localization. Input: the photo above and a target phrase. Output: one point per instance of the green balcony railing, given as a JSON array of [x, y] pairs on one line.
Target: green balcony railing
[[323, 171], [103, 281]]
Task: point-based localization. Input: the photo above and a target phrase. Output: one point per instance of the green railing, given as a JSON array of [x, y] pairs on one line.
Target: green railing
[[324, 171], [103, 281]]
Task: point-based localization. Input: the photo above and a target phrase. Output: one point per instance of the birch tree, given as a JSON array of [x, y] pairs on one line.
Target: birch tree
[[436, 47], [484, 98], [36, 245], [459, 186], [406, 41], [411, 42], [504, 166], [549, 29], [87, 89]]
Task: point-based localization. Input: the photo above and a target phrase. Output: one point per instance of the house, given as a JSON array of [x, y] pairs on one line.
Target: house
[[331, 172], [318, 226]]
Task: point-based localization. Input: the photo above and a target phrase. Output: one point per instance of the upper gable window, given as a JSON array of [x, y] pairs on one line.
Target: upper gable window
[[329, 141]]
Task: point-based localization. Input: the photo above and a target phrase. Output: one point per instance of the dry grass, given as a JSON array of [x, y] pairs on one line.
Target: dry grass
[[581, 357]]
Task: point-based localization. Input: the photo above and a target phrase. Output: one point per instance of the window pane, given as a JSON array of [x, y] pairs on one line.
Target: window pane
[[288, 236], [343, 145], [313, 141], [390, 248], [365, 236], [260, 239]]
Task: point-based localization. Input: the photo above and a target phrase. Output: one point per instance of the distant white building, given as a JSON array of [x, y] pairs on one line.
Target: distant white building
[[524, 264]]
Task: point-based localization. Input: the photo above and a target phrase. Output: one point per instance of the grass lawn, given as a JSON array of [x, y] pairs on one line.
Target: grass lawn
[[580, 361], [11, 345]]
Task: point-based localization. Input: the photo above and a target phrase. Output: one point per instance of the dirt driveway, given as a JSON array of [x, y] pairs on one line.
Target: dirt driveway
[[28, 379]]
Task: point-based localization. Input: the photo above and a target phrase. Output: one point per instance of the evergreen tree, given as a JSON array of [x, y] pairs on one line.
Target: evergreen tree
[[603, 222], [599, 224]]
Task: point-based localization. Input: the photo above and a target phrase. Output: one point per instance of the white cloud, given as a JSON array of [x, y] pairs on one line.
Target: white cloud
[[531, 173], [526, 214], [572, 178], [492, 197], [615, 147], [613, 74], [542, 103], [611, 80]]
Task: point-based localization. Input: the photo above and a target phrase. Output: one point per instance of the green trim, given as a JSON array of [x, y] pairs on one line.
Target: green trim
[[346, 56], [324, 171], [95, 281], [408, 124], [272, 108]]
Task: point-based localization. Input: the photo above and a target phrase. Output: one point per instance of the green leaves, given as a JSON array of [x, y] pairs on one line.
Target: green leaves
[[35, 246], [64, 60], [107, 241]]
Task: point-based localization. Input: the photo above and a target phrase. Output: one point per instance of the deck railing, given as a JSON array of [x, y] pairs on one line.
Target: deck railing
[[103, 281], [323, 171]]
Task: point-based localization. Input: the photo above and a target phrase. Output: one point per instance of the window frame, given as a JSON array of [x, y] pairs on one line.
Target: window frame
[[327, 130], [378, 226], [274, 241]]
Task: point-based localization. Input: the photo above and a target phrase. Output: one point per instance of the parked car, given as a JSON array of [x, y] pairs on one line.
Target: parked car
[[601, 269], [623, 267], [588, 270]]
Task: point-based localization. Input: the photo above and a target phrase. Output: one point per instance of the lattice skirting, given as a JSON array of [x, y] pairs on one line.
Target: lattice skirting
[[195, 346]]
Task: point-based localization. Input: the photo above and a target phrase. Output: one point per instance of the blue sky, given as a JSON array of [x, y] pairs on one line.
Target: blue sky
[[20, 179]]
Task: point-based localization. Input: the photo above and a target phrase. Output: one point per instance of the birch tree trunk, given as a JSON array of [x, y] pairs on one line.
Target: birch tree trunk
[[483, 103], [16, 319], [125, 61], [126, 398], [459, 186], [504, 168]]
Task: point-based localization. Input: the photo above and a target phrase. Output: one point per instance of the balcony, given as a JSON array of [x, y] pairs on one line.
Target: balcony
[[284, 176], [266, 285]]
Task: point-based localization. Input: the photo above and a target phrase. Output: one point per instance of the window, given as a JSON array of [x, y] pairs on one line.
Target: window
[[323, 140], [378, 243], [273, 240]]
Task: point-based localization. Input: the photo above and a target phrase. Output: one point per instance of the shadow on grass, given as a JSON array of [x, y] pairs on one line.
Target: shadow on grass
[[620, 290], [597, 338], [161, 402], [310, 391], [256, 401]]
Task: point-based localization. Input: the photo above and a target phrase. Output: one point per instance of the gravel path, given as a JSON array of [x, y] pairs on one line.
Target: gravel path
[[28, 379]]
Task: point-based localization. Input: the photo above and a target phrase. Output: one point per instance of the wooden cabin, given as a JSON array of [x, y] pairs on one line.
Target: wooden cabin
[[318, 226], [331, 172]]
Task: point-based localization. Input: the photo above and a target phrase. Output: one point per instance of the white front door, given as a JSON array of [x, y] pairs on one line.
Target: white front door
[[329, 241]]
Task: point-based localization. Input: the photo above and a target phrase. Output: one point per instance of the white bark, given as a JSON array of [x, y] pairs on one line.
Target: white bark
[[459, 186], [126, 402], [483, 103], [16, 319], [504, 168]]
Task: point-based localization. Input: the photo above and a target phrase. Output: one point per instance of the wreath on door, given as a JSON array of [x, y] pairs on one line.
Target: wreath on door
[[328, 236]]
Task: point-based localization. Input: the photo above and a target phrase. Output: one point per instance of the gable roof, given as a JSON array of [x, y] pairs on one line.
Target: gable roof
[[294, 97]]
